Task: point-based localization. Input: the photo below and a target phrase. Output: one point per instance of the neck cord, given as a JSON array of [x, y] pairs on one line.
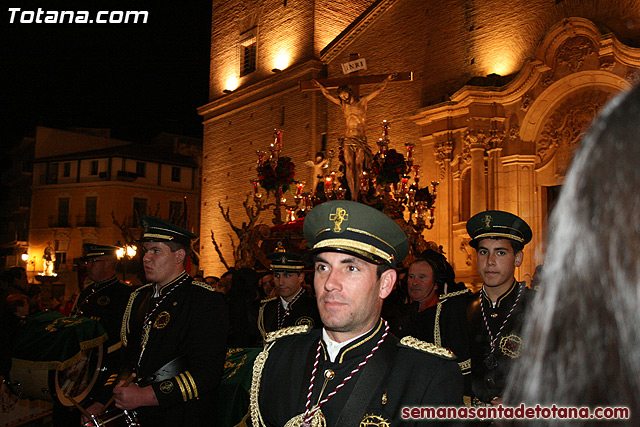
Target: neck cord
[[281, 320], [309, 413], [147, 319], [504, 322]]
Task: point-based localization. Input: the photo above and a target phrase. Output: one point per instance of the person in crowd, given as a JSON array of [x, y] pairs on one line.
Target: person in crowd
[[496, 312], [293, 305], [224, 284], [267, 285], [434, 316], [352, 371], [582, 339], [175, 333], [212, 281], [105, 300]]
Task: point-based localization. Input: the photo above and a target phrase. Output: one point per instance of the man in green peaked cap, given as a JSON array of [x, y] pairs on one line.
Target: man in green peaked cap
[[353, 371], [174, 331], [292, 304], [496, 312]]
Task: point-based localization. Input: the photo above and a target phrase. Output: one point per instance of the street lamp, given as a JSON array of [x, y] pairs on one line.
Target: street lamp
[[126, 252]]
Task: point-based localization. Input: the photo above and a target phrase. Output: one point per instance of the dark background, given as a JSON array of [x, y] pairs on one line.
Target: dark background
[[137, 79]]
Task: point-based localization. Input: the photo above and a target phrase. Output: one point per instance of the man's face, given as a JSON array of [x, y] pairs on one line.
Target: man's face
[[100, 268], [497, 262], [420, 281], [160, 264], [267, 284], [287, 283], [349, 294]]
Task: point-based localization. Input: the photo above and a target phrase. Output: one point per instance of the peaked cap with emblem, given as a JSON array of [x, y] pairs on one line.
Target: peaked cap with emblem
[[91, 250], [157, 230], [286, 261], [498, 224], [356, 229]]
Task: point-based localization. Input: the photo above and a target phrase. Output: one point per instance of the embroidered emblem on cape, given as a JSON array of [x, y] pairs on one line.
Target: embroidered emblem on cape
[[511, 346], [166, 387], [338, 218], [384, 398], [104, 300], [162, 320], [305, 320], [374, 421], [487, 221]]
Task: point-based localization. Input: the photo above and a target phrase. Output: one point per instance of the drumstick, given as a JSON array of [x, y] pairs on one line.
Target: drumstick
[[110, 401], [77, 405]]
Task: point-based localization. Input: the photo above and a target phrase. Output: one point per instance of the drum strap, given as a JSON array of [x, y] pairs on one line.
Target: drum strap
[[170, 370]]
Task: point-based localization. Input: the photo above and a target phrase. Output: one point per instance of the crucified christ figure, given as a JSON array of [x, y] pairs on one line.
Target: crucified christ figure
[[356, 151]]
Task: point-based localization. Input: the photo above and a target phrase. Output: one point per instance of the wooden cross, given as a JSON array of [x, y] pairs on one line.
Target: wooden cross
[[355, 79]]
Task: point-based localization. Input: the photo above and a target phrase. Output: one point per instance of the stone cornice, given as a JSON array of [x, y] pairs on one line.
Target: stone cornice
[[244, 97], [333, 49]]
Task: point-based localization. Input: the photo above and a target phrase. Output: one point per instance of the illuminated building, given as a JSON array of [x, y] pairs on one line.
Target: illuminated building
[[501, 95]]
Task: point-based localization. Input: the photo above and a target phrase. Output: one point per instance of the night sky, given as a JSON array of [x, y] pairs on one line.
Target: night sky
[[137, 79]]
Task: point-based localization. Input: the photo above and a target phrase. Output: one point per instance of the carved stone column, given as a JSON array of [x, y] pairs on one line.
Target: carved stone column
[[477, 147]]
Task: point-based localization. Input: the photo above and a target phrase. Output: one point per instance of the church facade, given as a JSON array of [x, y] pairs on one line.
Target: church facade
[[500, 97]]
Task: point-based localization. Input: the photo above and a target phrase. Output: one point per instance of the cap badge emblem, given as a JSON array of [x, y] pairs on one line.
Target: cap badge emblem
[[338, 218], [283, 259], [487, 221]]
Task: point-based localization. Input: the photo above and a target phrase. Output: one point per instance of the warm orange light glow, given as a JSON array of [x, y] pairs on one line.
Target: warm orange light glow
[[502, 65], [232, 83], [282, 60]]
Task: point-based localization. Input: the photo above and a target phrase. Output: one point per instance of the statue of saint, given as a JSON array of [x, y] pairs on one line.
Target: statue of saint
[[356, 151], [319, 167], [49, 258]]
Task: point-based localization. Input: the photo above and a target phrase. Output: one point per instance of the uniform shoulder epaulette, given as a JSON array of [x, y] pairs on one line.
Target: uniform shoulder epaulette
[[268, 299], [285, 332], [203, 285], [454, 294], [427, 347]]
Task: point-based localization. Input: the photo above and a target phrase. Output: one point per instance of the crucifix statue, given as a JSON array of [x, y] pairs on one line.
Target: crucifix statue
[[357, 153]]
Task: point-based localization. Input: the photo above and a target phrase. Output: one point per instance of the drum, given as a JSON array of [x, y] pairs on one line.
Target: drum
[[74, 382], [77, 381], [57, 358], [114, 418]]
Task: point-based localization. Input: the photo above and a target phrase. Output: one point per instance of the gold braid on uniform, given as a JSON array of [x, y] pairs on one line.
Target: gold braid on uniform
[[203, 285], [284, 332], [258, 366], [454, 294], [430, 348], [436, 325], [261, 327], [124, 329]]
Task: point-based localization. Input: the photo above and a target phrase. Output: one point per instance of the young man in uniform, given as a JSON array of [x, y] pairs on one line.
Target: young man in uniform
[[292, 306], [496, 312], [174, 330], [352, 372]]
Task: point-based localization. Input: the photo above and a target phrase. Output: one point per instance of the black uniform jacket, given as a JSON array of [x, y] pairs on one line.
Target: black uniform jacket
[[190, 320], [106, 302], [444, 324], [303, 310], [489, 370], [396, 376]]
